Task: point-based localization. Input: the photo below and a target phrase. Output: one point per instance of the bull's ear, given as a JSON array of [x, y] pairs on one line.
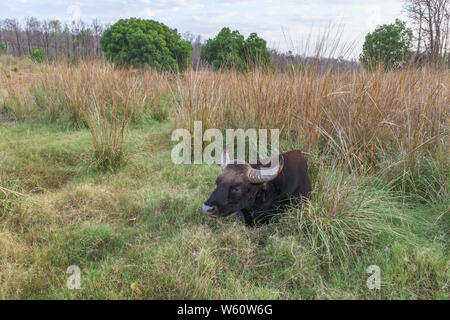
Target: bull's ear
[[225, 158]]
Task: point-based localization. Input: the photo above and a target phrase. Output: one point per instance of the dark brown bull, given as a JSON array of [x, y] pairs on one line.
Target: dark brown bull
[[256, 191]]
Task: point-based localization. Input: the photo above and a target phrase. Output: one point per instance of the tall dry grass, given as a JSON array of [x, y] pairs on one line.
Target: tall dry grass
[[93, 94], [70, 89], [369, 121]]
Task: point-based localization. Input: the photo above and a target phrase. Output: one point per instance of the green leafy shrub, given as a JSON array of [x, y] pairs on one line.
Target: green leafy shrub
[[142, 43], [2, 48], [37, 55], [389, 45], [230, 50]]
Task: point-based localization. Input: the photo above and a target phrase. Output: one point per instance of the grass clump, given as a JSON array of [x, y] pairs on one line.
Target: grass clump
[[107, 128], [16, 104], [346, 214]]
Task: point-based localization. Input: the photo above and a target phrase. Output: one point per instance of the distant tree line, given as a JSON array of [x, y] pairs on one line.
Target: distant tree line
[[290, 62], [81, 40], [76, 39], [391, 44]]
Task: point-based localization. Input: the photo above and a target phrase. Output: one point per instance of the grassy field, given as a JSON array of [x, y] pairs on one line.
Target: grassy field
[[134, 224]]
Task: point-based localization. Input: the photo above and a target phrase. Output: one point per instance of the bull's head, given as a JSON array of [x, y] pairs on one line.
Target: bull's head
[[239, 184]]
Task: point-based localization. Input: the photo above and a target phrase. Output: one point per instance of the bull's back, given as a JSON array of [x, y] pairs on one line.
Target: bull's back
[[295, 175]]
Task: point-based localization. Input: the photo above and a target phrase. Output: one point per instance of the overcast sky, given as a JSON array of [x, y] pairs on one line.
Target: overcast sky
[[285, 24]]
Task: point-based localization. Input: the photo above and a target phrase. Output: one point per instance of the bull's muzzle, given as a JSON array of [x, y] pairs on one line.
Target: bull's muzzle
[[209, 210]]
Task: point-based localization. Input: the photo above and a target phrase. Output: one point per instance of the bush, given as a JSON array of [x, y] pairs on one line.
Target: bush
[[141, 43], [2, 48], [37, 55], [229, 50], [388, 46]]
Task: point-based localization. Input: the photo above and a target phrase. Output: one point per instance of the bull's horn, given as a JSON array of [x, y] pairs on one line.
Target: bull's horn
[[225, 158], [265, 175]]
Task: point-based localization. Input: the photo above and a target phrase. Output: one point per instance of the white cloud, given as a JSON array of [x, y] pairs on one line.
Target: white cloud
[[271, 11], [149, 12]]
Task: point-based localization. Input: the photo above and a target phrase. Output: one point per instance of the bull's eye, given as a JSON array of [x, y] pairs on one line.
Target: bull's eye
[[235, 189], [235, 192]]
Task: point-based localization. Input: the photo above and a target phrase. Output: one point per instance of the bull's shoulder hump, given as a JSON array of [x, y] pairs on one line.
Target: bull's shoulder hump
[[295, 158], [293, 154]]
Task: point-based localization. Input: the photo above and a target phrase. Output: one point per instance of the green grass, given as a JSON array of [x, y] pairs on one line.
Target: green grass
[[143, 224]]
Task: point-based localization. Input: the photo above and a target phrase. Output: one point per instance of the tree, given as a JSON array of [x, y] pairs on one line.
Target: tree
[[230, 50], [97, 30], [14, 36], [55, 29], [31, 28], [197, 45], [388, 45], [431, 22], [141, 42], [255, 52]]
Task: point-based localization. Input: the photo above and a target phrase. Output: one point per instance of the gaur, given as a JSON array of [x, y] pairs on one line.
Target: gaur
[[256, 191]]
